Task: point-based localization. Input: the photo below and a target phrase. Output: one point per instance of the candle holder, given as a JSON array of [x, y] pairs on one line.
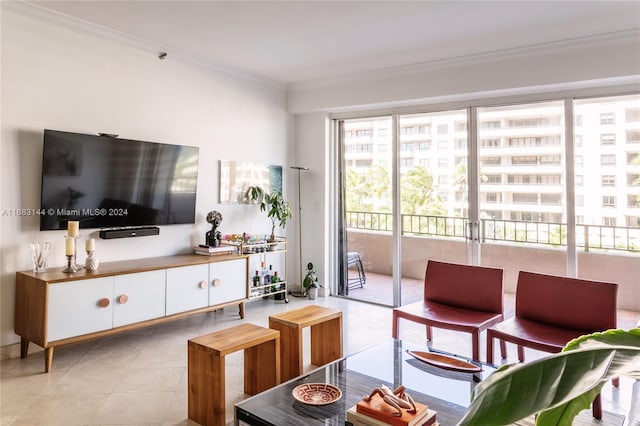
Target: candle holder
[[91, 264], [71, 264]]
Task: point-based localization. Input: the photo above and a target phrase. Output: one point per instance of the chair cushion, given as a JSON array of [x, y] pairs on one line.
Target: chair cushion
[[533, 334], [445, 316]]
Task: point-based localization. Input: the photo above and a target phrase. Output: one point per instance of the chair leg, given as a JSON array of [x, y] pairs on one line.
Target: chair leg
[[475, 345], [394, 325], [490, 348], [596, 407], [429, 334], [520, 353]]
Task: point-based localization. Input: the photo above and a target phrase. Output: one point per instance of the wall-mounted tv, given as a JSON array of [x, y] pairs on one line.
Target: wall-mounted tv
[[105, 182]]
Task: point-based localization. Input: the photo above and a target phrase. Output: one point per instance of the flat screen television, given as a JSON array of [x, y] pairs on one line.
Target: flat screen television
[[108, 182]]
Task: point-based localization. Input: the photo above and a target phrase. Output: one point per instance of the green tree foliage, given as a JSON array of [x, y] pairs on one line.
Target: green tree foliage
[[418, 195]]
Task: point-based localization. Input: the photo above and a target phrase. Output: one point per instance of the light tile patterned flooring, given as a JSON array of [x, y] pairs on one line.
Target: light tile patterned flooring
[[140, 377]]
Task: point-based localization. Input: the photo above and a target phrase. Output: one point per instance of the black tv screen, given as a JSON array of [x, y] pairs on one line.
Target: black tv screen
[[105, 182]]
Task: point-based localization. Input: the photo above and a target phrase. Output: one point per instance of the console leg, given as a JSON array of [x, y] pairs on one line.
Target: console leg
[[24, 347], [48, 358], [241, 310]]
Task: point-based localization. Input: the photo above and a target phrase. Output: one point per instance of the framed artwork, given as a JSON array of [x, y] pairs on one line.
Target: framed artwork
[[237, 176]]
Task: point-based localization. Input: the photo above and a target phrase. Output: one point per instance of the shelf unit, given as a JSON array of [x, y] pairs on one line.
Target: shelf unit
[[271, 253]]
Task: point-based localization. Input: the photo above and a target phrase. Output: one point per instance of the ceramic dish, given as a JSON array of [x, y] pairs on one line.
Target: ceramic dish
[[316, 393]]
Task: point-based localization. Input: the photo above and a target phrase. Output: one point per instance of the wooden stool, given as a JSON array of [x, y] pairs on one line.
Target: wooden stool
[[206, 368], [326, 337]]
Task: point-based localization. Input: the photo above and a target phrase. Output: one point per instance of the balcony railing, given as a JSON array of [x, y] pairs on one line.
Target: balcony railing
[[588, 237]]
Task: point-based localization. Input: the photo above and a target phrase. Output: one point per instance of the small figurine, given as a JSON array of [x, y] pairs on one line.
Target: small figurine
[[214, 236], [398, 398]]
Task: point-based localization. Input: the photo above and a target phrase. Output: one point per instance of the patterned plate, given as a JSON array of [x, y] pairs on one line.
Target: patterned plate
[[316, 393]]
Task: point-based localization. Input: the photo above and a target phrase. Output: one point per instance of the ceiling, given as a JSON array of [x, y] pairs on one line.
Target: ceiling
[[298, 41]]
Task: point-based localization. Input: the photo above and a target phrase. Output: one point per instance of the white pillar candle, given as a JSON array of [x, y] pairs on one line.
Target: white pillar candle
[[70, 246], [73, 227], [90, 245]]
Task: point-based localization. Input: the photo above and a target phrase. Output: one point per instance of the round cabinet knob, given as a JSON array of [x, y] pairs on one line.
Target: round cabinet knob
[[103, 303], [216, 282], [123, 299], [202, 284]]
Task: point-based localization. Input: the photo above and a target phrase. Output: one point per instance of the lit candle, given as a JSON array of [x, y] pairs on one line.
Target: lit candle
[[73, 227], [90, 245], [70, 246]]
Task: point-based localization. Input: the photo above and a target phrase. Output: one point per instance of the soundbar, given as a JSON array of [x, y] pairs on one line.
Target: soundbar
[[143, 231]]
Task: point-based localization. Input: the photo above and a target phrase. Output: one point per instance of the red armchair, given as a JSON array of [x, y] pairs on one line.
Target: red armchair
[[551, 311], [456, 297]]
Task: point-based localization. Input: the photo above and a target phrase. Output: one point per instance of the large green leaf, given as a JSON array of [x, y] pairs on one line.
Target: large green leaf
[[567, 381]]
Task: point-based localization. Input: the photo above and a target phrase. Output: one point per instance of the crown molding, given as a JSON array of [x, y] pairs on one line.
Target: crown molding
[[631, 35]]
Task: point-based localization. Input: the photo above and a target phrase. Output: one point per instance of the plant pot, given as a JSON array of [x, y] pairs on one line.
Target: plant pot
[[312, 293]]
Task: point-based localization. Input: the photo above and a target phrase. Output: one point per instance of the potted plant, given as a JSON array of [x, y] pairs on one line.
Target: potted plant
[[558, 386], [278, 210], [310, 282]]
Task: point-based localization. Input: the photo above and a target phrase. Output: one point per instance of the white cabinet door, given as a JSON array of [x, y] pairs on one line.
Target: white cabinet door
[[187, 288], [74, 308], [228, 281], [138, 297]]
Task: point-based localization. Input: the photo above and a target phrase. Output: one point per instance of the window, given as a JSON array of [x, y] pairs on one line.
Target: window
[[363, 163], [550, 179], [424, 162], [609, 221], [494, 179], [577, 120], [443, 129], [383, 147], [424, 146], [608, 201], [493, 197], [608, 139], [551, 199], [443, 145], [494, 124], [579, 160], [633, 179], [608, 180], [490, 143], [524, 159], [632, 115], [607, 118], [549, 159], [608, 160], [577, 141], [524, 198], [579, 179], [363, 148], [633, 136], [443, 180], [491, 161], [443, 162], [383, 132], [460, 126], [493, 214], [460, 143], [364, 133], [406, 162], [423, 130], [633, 221], [407, 147], [633, 158], [633, 201]]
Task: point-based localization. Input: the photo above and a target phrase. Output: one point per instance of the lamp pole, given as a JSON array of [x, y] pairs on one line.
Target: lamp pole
[[299, 169]]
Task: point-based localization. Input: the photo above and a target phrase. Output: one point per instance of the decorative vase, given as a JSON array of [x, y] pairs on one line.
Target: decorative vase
[[312, 293], [92, 261]]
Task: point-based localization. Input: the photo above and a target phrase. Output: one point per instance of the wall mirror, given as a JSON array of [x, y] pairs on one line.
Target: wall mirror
[[237, 176]]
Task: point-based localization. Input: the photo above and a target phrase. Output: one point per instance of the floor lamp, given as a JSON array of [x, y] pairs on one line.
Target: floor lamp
[[299, 169]]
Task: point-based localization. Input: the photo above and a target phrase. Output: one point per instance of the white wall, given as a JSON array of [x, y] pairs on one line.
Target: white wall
[[60, 76]]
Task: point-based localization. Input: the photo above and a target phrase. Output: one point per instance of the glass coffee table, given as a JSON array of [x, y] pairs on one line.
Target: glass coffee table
[[445, 391]]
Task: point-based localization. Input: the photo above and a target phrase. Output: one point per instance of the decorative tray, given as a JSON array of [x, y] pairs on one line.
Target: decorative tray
[[445, 361], [316, 393]]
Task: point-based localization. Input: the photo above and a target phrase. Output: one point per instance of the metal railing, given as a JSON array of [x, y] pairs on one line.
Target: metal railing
[[588, 237]]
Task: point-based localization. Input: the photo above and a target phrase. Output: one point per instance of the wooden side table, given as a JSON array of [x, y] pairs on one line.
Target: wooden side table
[[206, 368], [326, 337]]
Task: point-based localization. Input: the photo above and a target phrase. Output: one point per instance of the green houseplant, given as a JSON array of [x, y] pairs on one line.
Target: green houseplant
[[278, 210], [310, 282], [558, 386]]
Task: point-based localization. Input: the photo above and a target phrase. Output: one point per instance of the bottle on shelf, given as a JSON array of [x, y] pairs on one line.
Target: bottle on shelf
[[268, 275], [263, 274], [256, 279]]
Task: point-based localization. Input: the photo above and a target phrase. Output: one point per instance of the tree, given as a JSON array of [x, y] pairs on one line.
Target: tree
[[418, 195]]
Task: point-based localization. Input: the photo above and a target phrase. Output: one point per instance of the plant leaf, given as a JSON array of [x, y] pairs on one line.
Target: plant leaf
[[517, 391], [564, 414]]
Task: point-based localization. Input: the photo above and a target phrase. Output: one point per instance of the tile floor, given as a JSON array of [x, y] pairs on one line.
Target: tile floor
[[140, 377]]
